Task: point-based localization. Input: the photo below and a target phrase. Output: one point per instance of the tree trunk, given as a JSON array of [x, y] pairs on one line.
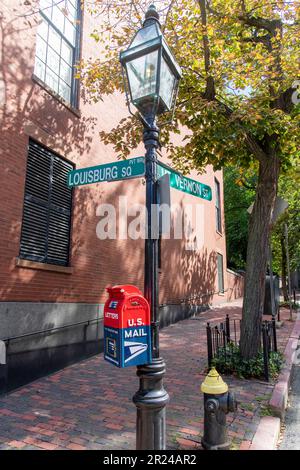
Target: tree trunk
[[283, 270], [257, 255]]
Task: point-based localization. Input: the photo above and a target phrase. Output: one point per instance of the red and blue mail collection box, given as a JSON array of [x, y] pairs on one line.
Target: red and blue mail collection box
[[127, 330]]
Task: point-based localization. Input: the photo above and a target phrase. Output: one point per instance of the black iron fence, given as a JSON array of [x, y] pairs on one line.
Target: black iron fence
[[227, 333]]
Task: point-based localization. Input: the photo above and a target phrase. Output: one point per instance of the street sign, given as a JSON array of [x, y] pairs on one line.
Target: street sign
[[164, 189], [164, 199], [121, 170], [184, 184]]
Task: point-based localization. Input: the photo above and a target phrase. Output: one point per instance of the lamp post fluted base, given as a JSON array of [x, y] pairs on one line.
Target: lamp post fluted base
[[151, 400]]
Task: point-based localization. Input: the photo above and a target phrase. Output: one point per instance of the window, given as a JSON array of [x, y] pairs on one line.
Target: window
[[57, 47], [218, 207], [46, 224], [220, 273]]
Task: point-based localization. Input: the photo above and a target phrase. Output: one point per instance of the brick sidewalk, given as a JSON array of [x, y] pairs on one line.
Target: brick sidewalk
[[88, 405]]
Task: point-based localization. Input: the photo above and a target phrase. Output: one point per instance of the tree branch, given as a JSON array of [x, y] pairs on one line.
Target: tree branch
[[253, 145], [261, 23], [266, 40], [210, 91], [168, 14], [186, 67], [248, 186], [284, 101]]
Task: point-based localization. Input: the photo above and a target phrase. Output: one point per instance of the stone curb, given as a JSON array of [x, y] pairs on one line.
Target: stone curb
[[268, 430], [267, 434], [278, 401]]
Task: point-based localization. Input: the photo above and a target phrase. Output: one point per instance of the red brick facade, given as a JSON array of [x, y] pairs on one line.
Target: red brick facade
[[29, 110]]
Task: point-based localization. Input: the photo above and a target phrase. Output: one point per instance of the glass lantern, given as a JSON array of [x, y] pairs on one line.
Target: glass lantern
[[151, 71]]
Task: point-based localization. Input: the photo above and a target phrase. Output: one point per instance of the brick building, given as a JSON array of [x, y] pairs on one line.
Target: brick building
[[53, 267]]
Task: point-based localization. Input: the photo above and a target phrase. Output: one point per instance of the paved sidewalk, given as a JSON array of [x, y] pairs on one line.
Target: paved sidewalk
[[88, 405], [291, 435]]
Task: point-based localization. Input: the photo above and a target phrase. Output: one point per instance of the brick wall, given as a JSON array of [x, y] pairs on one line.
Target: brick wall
[[29, 110], [235, 285]]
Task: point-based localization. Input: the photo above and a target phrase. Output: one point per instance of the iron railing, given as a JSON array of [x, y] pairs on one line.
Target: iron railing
[[48, 331], [227, 333]]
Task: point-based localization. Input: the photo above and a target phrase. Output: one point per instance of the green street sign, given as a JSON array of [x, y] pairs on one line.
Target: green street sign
[[184, 184], [123, 169]]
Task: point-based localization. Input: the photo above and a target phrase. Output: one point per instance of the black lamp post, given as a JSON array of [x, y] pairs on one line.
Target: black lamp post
[[151, 77]]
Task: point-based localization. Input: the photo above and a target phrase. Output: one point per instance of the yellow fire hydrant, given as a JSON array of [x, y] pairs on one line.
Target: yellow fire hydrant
[[217, 403]]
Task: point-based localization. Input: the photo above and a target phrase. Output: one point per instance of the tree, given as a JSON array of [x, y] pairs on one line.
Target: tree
[[289, 190], [237, 98], [239, 194]]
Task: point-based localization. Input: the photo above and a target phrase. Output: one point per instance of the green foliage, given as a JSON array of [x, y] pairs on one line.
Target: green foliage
[[238, 196], [295, 305], [263, 398], [230, 361], [237, 70], [289, 189], [235, 445], [266, 410], [247, 406], [235, 106]]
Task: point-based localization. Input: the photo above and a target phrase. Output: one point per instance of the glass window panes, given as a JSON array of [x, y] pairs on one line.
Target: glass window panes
[[142, 75], [71, 11], [53, 60], [39, 69], [58, 17], [46, 7], [54, 40], [41, 48], [220, 272], [167, 82], [65, 72], [66, 52], [70, 32], [64, 90], [218, 207], [43, 30], [51, 79], [56, 45]]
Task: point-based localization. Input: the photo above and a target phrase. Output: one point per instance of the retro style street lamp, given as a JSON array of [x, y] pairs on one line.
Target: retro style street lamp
[[151, 77]]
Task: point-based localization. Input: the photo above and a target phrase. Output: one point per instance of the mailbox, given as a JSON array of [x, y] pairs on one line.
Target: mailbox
[[127, 330]]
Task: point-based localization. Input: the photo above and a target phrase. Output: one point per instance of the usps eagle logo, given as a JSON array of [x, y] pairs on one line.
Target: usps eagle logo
[[113, 304], [133, 349]]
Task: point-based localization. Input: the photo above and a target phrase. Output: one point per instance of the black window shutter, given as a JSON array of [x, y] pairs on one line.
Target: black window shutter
[[47, 208]]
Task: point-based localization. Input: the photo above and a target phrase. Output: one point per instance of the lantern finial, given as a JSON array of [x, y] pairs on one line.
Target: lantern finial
[[151, 16]]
